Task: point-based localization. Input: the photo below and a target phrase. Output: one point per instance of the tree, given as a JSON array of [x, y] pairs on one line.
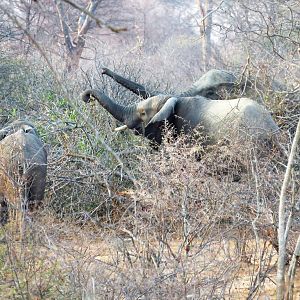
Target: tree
[[49, 23], [75, 46], [205, 28]]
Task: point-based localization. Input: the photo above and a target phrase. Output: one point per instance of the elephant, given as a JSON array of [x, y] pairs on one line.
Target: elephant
[[23, 168], [210, 85], [215, 119], [16, 125]]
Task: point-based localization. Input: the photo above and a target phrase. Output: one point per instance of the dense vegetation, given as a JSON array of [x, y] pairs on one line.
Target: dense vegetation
[[123, 221]]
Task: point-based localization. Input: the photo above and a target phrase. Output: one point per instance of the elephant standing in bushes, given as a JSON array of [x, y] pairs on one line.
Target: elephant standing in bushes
[[23, 167], [216, 119], [211, 85]]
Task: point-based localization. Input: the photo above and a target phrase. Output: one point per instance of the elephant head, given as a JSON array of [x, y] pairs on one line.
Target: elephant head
[[210, 85], [26, 126], [145, 117]]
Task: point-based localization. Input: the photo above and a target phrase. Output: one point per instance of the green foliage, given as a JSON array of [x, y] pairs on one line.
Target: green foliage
[[78, 159], [14, 112]]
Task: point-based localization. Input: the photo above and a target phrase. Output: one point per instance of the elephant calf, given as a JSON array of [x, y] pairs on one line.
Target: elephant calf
[[23, 168]]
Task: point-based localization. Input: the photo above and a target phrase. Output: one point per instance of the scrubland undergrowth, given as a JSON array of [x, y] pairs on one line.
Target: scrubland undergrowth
[[134, 223]]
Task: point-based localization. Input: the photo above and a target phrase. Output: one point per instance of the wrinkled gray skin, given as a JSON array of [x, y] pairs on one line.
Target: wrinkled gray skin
[[23, 167], [210, 85], [215, 118]]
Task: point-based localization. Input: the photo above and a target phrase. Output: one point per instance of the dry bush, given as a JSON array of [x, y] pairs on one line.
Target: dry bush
[[193, 222], [181, 228], [78, 160], [83, 188]]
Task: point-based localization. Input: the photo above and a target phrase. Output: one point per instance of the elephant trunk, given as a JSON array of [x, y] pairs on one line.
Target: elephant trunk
[[130, 85], [120, 112]]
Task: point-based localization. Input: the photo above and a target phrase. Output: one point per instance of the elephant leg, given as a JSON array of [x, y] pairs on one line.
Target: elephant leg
[[3, 211], [36, 189]]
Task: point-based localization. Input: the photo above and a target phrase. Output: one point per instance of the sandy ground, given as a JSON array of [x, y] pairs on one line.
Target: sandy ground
[[79, 247], [243, 279]]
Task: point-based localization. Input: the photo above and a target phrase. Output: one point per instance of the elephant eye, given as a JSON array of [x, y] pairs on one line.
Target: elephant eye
[[143, 113]]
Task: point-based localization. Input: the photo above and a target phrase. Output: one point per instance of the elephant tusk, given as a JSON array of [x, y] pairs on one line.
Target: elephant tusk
[[121, 128]]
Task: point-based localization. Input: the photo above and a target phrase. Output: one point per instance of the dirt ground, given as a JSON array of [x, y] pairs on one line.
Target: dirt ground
[[102, 251], [243, 280], [85, 251]]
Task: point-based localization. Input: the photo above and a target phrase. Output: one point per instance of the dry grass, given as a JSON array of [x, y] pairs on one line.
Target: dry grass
[[59, 260], [190, 227], [183, 223]]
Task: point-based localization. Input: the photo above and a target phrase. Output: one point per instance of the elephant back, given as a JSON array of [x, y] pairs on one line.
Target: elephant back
[[210, 84], [23, 162]]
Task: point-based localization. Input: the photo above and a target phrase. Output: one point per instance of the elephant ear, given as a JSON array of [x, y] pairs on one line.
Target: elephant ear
[[4, 132], [165, 112]]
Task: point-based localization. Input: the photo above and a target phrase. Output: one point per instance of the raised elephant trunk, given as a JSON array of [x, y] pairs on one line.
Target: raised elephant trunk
[[211, 85], [120, 112], [130, 85]]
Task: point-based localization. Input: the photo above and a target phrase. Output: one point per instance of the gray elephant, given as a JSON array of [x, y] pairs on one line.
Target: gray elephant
[[216, 119], [211, 85], [23, 167]]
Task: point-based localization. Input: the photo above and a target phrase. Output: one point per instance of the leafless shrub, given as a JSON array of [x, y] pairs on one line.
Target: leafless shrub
[[225, 198], [186, 224]]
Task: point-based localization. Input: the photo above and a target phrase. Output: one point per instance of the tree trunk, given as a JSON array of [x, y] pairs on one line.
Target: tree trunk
[[74, 48], [292, 271], [205, 32], [281, 219], [207, 36]]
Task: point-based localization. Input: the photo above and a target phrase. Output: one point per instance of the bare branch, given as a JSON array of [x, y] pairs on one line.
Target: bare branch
[[281, 216], [87, 20], [30, 37], [64, 26], [99, 22]]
